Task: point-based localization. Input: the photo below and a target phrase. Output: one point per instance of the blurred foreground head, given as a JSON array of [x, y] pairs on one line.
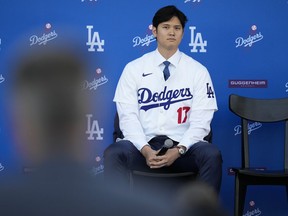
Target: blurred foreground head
[[199, 199], [49, 113], [49, 106]]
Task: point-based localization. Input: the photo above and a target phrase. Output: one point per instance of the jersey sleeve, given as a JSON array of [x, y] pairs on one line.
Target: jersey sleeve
[[204, 96], [199, 127], [126, 91], [130, 125], [127, 107], [203, 107]]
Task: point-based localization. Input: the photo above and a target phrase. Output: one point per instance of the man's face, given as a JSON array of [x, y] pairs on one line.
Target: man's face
[[169, 34]]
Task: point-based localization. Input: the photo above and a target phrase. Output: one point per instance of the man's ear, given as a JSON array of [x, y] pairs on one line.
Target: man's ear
[[154, 31]]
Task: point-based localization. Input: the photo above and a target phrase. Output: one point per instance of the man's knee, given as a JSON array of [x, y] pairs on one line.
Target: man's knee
[[111, 150], [214, 153], [211, 152], [117, 149]]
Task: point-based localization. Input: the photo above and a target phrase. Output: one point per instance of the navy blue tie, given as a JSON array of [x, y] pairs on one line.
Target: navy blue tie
[[166, 71]]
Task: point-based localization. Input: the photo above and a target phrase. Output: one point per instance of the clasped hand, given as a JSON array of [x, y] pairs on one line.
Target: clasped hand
[[155, 162]]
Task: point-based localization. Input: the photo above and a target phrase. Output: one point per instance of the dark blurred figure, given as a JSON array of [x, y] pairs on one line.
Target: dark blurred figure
[[49, 108], [198, 199]]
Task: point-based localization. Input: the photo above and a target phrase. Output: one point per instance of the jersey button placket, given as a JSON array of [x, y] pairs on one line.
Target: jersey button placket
[[161, 120]]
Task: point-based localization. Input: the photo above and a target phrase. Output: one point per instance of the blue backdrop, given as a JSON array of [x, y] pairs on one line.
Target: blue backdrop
[[243, 43]]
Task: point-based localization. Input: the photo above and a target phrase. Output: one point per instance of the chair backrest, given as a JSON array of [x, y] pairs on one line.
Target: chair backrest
[[259, 110]]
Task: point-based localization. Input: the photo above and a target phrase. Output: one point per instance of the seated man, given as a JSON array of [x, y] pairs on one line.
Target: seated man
[[162, 95]]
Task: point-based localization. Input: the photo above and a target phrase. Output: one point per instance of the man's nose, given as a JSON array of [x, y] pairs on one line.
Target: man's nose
[[172, 32]]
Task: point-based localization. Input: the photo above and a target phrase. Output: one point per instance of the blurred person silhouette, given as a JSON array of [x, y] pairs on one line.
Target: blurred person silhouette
[[49, 108], [198, 199]]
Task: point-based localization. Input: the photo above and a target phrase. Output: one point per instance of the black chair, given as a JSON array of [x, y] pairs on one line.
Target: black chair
[[265, 111], [145, 176]]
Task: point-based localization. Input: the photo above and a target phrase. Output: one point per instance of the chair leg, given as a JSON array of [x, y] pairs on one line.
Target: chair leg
[[240, 194]]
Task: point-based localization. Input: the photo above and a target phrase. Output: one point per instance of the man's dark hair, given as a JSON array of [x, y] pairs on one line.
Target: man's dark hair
[[166, 13]]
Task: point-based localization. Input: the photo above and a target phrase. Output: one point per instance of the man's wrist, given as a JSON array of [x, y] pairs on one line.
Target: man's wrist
[[145, 149], [182, 146], [181, 149]]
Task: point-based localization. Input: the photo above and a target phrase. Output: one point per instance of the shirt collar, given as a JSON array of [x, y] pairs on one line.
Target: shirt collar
[[174, 59]]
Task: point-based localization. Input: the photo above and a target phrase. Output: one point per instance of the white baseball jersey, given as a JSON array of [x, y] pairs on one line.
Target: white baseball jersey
[[181, 107]]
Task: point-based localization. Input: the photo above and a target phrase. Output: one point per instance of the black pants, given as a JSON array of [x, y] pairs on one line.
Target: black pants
[[204, 158]]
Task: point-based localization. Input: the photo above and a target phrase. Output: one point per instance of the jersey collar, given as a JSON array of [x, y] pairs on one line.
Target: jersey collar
[[174, 60]]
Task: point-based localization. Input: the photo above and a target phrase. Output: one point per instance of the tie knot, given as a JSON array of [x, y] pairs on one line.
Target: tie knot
[[166, 63]]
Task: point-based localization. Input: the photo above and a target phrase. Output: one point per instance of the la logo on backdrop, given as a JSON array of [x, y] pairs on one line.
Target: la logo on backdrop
[[93, 129], [94, 40], [95, 132], [197, 43]]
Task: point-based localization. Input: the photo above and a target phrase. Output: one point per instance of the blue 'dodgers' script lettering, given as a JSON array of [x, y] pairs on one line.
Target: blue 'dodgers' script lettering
[[164, 98]]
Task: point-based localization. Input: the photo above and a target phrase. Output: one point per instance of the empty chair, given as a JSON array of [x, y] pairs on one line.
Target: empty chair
[[264, 111]]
